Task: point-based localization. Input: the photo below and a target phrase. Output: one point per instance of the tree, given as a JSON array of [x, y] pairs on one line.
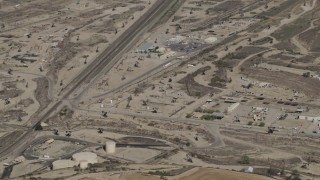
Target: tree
[[129, 98], [270, 131], [38, 127], [294, 175], [244, 159], [189, 115], [262, 124], [85, 58]]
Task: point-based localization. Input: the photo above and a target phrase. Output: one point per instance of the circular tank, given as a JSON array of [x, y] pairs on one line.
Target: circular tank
[[110, 147], [90, 157]]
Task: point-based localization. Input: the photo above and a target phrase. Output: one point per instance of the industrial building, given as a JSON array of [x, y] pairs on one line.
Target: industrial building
[[110, 147], [90, 157], [248, 169], [309, 118], [82, 159]]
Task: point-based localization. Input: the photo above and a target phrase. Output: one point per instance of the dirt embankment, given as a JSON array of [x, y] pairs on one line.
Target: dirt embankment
[[309, 86], [311, 39], [41, 92], [195, 89]]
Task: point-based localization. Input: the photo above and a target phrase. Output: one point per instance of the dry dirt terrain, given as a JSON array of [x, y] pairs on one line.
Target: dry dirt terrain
[[200, 174], [216, 174], [160, 89]]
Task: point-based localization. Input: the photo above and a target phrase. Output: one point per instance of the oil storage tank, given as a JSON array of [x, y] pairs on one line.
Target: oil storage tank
[[110, 147]]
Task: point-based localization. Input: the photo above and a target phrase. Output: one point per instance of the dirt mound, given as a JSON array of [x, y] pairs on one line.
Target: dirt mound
[[195, 89]]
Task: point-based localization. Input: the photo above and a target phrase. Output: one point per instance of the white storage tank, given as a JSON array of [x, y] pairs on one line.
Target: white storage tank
[[84, 164], [110, 147], [90, 157]]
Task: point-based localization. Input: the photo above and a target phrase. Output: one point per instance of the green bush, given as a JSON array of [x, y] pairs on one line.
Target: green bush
[[244, 159], [262, 124], [38, 127], [221, 63], [208, 117], [189, 115]]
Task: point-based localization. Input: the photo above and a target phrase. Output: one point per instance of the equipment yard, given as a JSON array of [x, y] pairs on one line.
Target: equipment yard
[[160, 89]]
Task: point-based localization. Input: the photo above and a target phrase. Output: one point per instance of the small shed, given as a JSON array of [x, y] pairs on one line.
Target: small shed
[[248, 169], [299, 110]]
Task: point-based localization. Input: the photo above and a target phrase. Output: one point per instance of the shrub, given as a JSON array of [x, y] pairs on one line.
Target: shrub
[[244, 159], [262, 124], [38, 127], [189, 115], [208, 117]]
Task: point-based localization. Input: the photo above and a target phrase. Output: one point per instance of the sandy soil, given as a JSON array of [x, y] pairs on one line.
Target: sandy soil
[[216, 174], [201, 174], [178, 78]]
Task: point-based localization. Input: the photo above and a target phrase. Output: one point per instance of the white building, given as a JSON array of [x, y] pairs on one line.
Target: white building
[[82, 159], [90, 157], [248, 169], [309, 118], [110, 147]]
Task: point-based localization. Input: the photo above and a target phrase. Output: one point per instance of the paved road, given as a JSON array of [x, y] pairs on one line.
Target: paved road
[[111, 55], [104, 62]]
